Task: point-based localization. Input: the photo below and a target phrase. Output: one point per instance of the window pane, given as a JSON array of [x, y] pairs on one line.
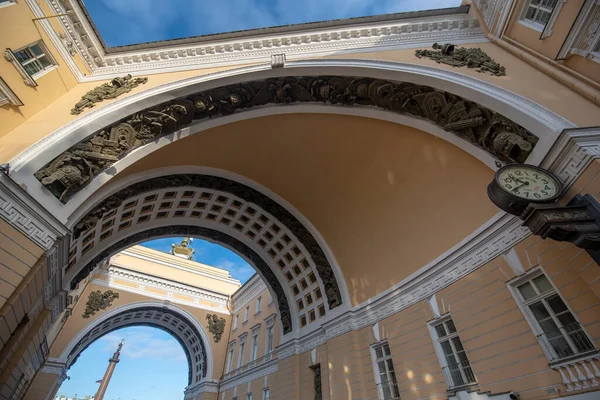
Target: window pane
[[556, 304], [44, 61], [568, 321], [441, 332], [381, 367], [23, 55], [539, 311], [542, 283], [581, 341], [450, 326], [549, 327], [32, 68], [390, 365], [378, 352], [386, 349], [535, 1], [527, 291], [446, 347], [462, 357], [457, 344], [35, 49]]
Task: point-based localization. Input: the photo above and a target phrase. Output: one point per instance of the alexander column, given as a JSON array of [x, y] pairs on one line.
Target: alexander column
[[112, 363]]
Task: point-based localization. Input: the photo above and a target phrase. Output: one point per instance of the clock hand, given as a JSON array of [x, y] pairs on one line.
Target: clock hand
[[519, 187], [517, 179]]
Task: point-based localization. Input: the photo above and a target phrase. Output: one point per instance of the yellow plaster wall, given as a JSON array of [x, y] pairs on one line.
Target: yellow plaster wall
[[16, 31], [14, 139], [365, 177]]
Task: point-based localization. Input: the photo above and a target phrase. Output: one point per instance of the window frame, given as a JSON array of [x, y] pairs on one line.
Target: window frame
[[377, 372], [537, 330], [7, 95], [266, 393], [532, 23], [7, 3], [437, 342], [579, 31], [246, 314], [258, 305], [254, 349], [235, 321], [241, 353], [45, 53]]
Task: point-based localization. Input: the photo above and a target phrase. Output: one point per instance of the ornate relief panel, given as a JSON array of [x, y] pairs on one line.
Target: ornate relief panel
[[75, 168]]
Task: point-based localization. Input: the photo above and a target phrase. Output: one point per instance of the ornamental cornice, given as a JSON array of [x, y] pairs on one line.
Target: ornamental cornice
[[163, 283], [231, 344], [242, 338], [255, 329], [252, 288], [306, 41]]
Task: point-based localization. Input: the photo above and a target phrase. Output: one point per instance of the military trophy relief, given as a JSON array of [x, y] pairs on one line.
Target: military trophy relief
[[496, 134], [455, 56], [532, 193], [98, 301], [216, 326]]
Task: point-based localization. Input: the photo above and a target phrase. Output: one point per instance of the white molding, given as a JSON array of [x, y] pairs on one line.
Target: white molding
[[204, 386], [27, 79], [577, 31], [304, 42], [250, 375], [143, 281], [26, 215], [8, 96], [245, 294]]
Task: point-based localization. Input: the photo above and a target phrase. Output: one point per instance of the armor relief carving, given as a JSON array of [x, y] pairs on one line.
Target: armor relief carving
[[502, 138]]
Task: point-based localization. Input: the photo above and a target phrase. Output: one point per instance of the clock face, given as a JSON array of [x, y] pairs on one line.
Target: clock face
[[529, 183]]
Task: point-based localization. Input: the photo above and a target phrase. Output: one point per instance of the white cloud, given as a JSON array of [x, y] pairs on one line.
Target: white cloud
[[241, 271], [142, 343]]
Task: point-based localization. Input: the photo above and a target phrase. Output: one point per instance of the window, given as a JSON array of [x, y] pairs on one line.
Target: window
[[7, 96], [246, 313], [269, 347], [266, 394], [230, 359], [387, 387], [6, 3], [451, 353], [258, 305], [248, 396], [538, 12], [235, 321], [557, 330], [34, 58], [254, 347], [241, 358], [584, 36]]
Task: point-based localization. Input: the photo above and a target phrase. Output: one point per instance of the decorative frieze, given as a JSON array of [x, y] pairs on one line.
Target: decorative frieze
[[72, 170]]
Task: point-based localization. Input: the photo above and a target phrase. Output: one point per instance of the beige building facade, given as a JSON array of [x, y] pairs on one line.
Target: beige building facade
[[347, 161]]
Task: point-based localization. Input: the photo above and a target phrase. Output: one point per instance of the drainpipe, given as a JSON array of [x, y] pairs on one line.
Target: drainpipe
[[542, 63]]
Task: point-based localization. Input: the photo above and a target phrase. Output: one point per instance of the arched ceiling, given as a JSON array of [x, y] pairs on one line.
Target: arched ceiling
[[385, 199], [163, 318]]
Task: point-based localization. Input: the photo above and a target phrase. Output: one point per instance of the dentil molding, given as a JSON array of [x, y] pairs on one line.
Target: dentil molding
[[308, 40]]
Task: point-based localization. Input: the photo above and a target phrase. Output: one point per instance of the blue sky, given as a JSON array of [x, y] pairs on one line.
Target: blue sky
[[153, 366], [123, 22], [211, 254]]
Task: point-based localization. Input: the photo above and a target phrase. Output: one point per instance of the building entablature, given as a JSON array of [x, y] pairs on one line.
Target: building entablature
[[402, 30]]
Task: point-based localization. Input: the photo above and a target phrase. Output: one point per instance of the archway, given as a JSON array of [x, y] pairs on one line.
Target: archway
[[170, 318]]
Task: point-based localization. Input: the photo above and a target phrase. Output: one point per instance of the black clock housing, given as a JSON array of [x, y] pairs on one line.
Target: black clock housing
[[512, 203]]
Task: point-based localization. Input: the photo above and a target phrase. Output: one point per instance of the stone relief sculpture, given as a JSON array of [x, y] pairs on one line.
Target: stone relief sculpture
[[99, 301], [487, 129], [461, 56], [111, 90], [216, 326]]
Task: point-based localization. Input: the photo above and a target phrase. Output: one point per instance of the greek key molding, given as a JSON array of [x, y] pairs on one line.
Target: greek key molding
[[26, 215]]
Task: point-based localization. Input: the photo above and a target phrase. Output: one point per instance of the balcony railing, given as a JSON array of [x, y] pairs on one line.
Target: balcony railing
[[459, 375], [388, 391], [567, 341], [255, 363]]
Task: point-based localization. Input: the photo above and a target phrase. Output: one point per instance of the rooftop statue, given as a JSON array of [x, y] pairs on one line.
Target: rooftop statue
[[106, 91]]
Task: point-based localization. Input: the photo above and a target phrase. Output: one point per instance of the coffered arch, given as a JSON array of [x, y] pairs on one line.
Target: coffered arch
[[169, 318], [272, 239]]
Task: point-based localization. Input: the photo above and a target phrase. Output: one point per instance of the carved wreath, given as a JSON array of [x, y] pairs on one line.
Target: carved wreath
[[216, 326], [99, 301]]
